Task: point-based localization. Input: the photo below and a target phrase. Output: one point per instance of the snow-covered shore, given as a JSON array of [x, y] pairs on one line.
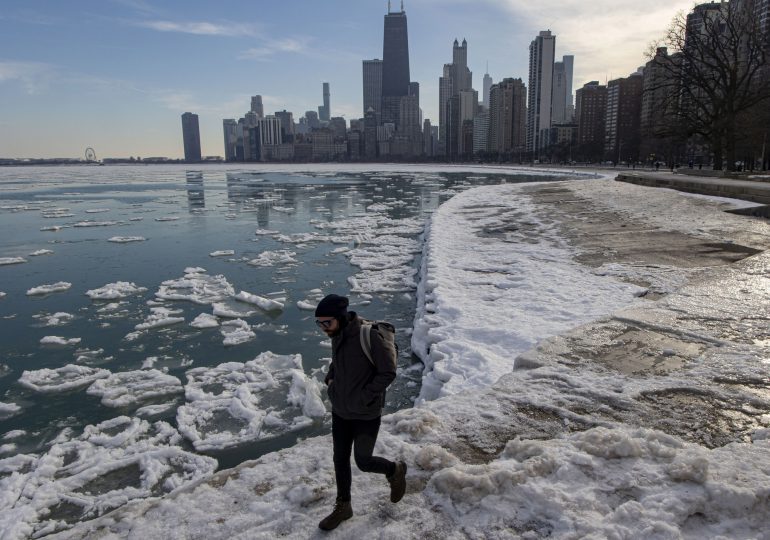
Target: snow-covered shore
[[574, 387]]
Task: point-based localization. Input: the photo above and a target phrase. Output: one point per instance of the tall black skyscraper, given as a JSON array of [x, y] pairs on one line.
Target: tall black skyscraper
[[395, 64], [191, 136]]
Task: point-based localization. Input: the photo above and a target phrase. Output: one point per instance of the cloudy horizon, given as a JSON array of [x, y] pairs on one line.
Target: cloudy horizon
[[117, 75]]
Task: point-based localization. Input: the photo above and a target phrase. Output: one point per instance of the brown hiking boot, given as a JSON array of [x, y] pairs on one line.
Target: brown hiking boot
[[342, 511], [397, 482]]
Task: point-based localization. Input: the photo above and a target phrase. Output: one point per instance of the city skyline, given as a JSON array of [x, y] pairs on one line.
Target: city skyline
[[121, 85]]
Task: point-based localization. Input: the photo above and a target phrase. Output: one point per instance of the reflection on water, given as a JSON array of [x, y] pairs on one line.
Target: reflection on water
[[311, 234]]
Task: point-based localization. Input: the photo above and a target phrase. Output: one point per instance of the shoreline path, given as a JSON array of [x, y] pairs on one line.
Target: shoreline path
[[641, 408]]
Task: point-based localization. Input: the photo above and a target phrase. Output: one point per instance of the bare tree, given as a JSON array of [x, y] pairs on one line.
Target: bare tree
[[720, 76]]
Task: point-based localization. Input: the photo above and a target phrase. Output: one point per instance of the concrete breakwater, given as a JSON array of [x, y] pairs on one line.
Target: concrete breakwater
[[719, 187]]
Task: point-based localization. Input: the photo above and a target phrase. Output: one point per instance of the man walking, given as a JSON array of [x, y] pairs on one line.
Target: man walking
[[356, 387]]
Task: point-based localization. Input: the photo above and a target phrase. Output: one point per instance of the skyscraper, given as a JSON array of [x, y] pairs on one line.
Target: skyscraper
[[256, 106], [621, 123], [372, 78], [191, 136], [395, 64], [541, 57], [324, 111], [590, 111], [508, 117], [456, 80], [230, 127], [562, 109], [486, 88]]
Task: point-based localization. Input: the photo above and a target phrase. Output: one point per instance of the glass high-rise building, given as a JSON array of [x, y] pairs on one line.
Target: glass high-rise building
[[191, 136], [372, 76], [395, 64]]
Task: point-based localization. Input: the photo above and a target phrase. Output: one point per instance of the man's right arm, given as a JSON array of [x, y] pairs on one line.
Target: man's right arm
[[330, 375]]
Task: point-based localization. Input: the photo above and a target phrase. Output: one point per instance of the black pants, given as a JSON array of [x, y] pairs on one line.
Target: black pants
[[362, 434]]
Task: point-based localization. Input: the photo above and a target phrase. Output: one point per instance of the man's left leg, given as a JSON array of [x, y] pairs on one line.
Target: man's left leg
[[365, 437]]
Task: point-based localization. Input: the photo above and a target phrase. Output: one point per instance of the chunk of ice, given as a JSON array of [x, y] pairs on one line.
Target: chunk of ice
[[113, 291], [130, 387], [222, 253], [41, 252], [234, 403], [260, 301], [61, 379], [48, 289], [126, 239], [236, 332], [57, 340], [11, 260], [204, 320]]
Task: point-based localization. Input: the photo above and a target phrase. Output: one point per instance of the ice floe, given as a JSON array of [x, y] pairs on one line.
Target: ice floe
[[109, 465], [60, 286], [60, 341], [7, 409], [275, 258], [196, 286], [40, 252], [14, 434], [205, 320], [222, 253], [235, 402], [97, 210], [56, 319], [160, 317], [128, 388], [89, 223], [114, 291], [167, 218], [11, 260], [126, 239], [236, 332], [266, 304], [61, 379], [2, 294]]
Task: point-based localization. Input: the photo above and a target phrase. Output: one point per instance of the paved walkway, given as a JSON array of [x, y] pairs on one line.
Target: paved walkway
[[746, 190]]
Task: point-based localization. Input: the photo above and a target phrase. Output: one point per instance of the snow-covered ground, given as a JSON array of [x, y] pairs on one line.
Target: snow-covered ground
[[575, 386]]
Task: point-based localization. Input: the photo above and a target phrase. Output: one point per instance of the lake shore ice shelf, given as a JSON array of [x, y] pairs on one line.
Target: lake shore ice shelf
[[550, 447]]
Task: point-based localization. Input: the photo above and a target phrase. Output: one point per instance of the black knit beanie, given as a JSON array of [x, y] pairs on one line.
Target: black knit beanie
[[333, 305]]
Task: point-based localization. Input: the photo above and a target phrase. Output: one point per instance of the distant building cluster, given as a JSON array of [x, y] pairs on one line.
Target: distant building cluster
[[540, 121]]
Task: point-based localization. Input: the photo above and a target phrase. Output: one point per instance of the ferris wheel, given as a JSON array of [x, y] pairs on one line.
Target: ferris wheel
[[90, 154]]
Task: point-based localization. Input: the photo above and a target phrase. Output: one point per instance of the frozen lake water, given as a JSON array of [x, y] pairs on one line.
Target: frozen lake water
[[122, 289]]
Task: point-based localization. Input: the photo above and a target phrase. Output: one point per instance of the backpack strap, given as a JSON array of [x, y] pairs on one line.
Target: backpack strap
[[366, 341]]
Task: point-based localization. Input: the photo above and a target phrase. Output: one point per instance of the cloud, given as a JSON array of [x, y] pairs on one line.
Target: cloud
[[272, 47], [35, 77], [201, 28], [607, 37]]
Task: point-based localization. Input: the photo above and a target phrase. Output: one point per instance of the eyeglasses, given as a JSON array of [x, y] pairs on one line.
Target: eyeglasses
[[324, 324]]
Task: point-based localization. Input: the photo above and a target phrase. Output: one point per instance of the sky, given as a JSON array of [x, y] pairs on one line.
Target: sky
[[116, 75]]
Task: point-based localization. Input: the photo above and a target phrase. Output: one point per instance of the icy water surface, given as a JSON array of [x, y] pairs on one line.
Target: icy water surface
[[184, 297]]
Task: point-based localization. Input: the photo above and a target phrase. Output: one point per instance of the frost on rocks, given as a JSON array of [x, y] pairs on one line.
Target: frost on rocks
[[59, 341], [11, 260], [126, 239], [114, 291], [235, 402], [60, 286], [160, 317], [109, 465], [61, 379], [128, 388], [236, 332]]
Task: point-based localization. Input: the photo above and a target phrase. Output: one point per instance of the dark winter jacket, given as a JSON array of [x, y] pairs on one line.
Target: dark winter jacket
[[357, 388]]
